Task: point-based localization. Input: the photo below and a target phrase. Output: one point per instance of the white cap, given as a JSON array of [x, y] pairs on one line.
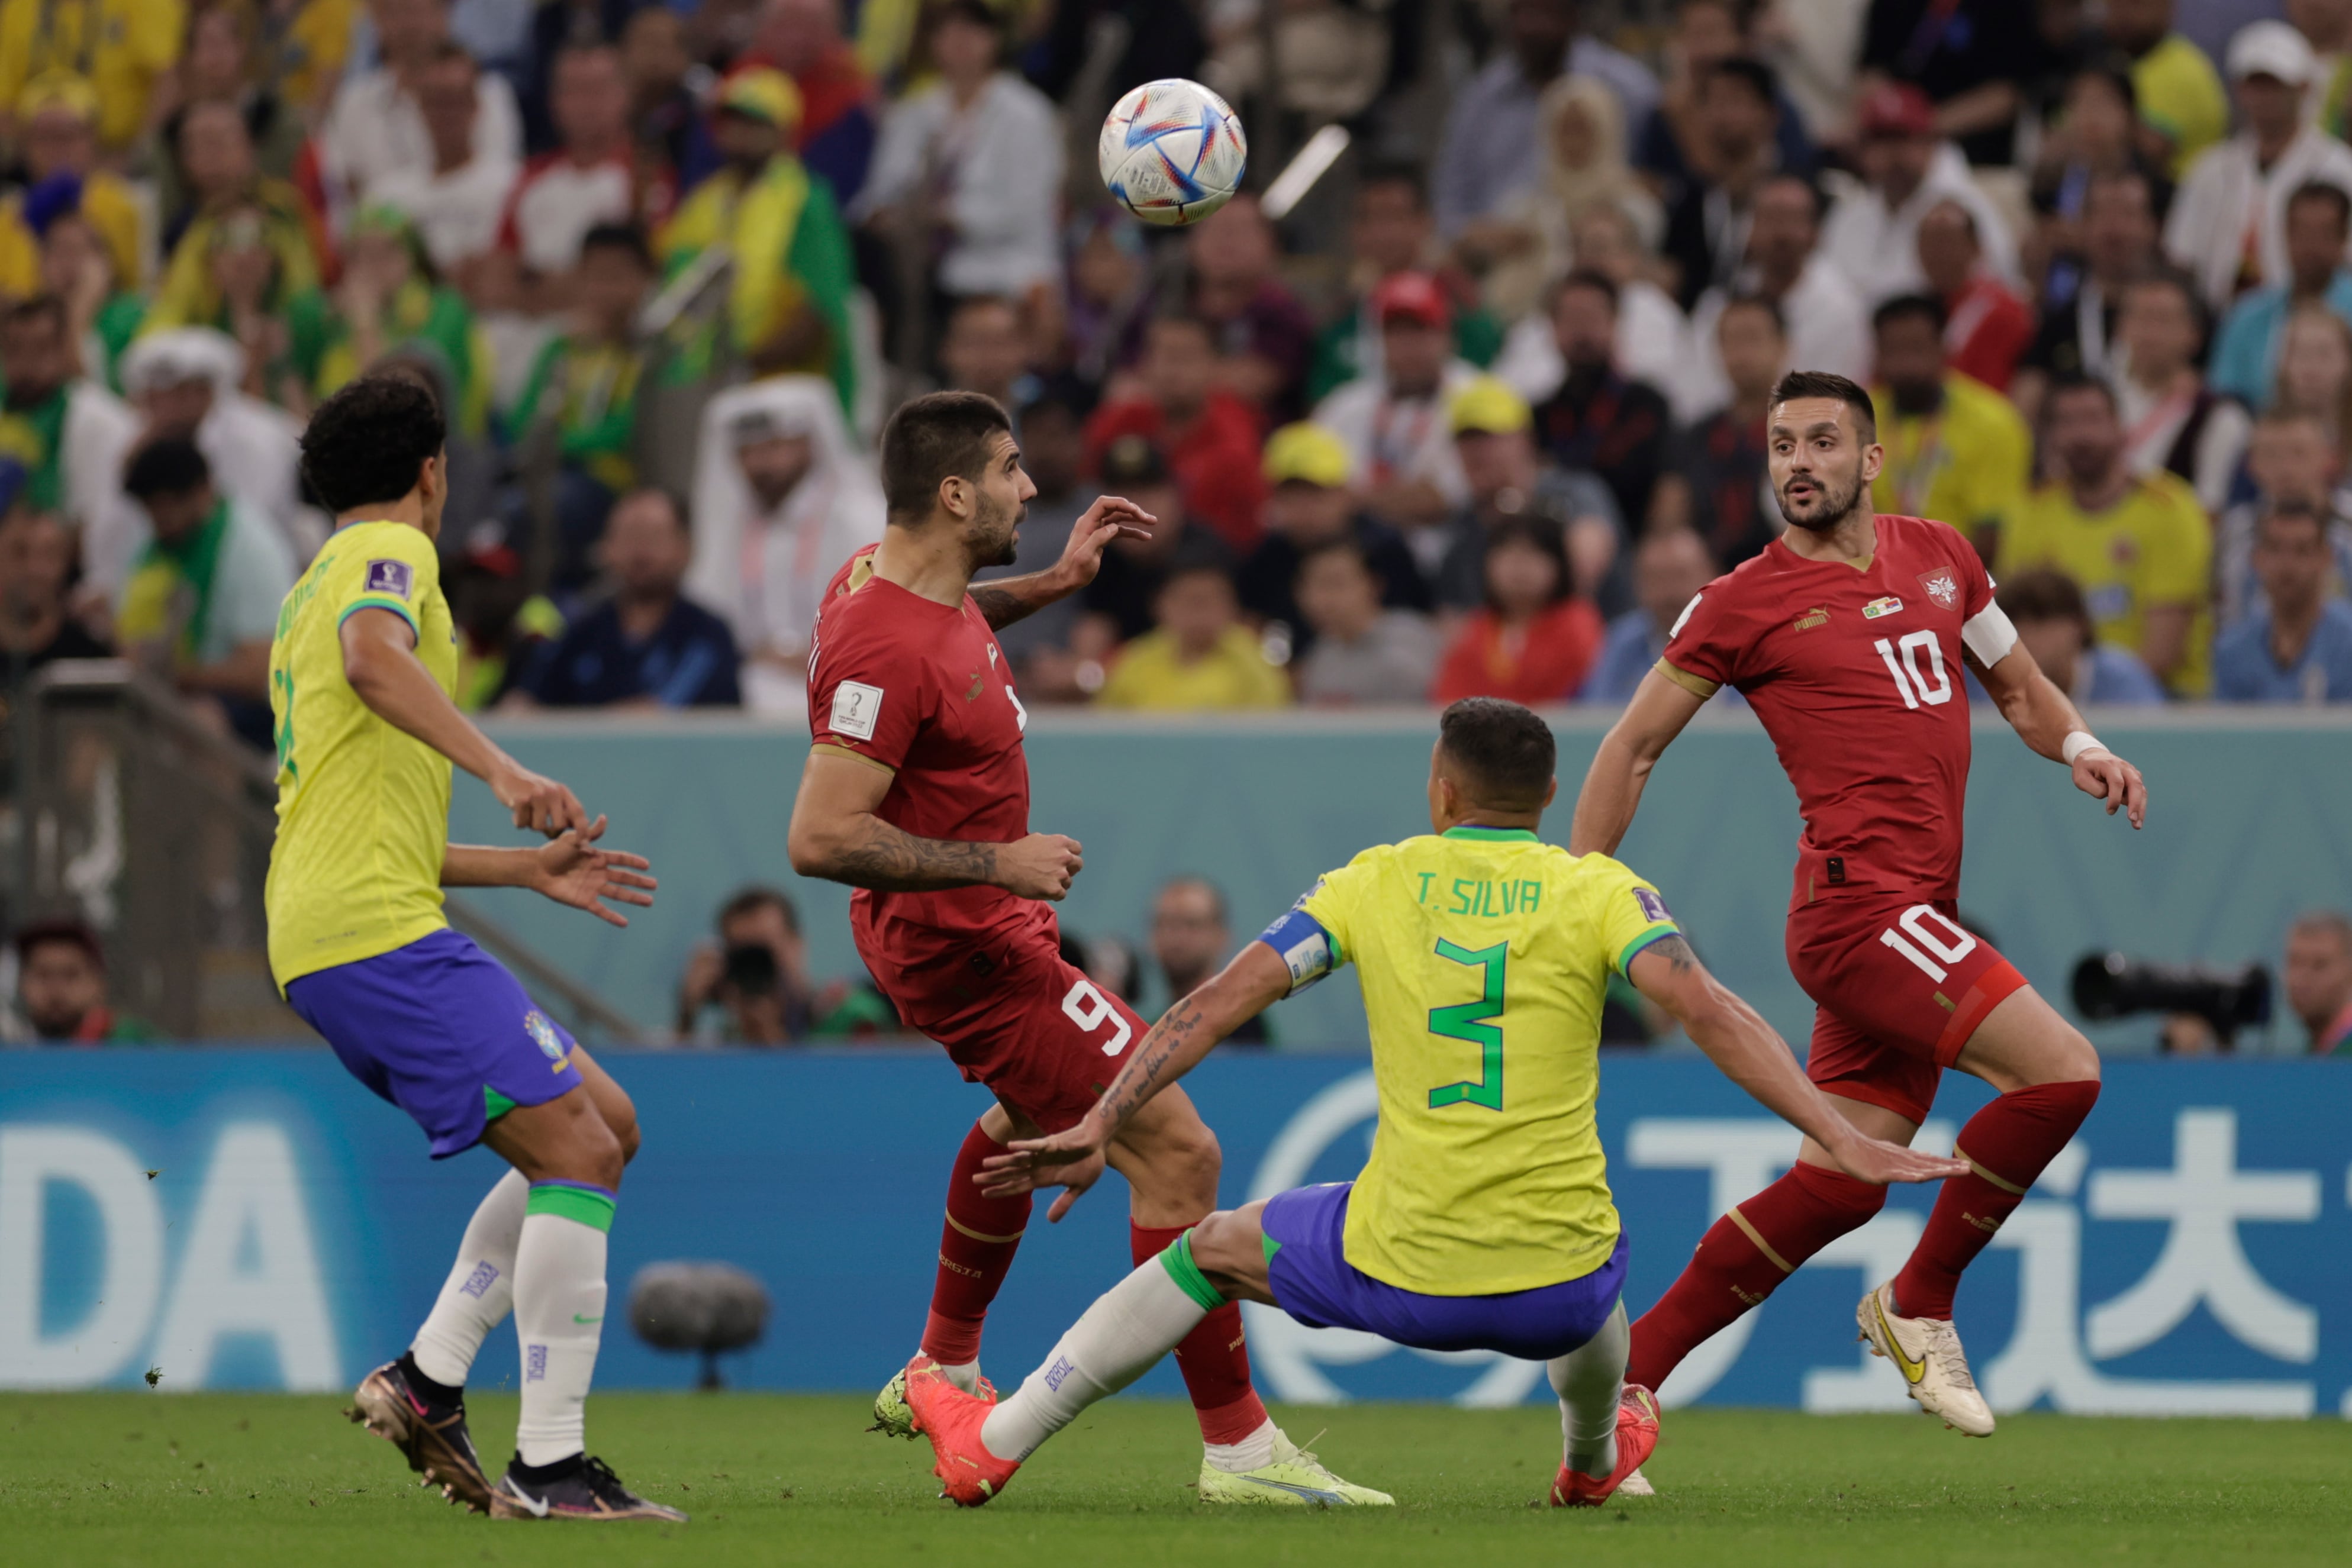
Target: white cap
[[180, 355], [2272, 50]]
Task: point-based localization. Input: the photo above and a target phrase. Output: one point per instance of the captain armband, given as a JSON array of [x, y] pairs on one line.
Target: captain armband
[[1307, 949]]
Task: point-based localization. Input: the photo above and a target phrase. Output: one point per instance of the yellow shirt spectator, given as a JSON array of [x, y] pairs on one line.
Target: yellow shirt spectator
[[1966, 465], [2152, 548], [122, 47], [2180, 94], [1199, 658], [313, 49]]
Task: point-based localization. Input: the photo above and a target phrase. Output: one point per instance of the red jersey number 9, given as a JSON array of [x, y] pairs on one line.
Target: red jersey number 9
[[1091, 1009]]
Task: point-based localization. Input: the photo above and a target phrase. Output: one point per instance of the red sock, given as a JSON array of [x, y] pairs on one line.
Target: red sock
[[1743, 1257], [976, 1247], [1212, 1357], [2008, 1142]]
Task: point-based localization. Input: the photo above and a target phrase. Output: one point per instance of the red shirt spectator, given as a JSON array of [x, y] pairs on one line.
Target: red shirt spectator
[[1210, 437], [593, 178], [1534, 640], [1987, 328]]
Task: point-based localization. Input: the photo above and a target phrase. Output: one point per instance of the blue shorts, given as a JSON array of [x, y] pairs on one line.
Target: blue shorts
[[442, 1032], [1315, 1283]]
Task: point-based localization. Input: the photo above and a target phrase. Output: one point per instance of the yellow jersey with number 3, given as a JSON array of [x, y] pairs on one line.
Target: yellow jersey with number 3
[[1484, 955], [362, 808]]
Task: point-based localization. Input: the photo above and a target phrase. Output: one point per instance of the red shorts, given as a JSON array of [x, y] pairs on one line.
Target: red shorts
[[1012, 1015], [1898, 987]]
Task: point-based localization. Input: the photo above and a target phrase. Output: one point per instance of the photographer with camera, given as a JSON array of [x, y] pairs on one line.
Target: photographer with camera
[[2319, 978], [756, 974]]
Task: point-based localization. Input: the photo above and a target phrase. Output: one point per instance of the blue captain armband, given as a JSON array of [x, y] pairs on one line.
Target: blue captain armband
[[1299, 940]]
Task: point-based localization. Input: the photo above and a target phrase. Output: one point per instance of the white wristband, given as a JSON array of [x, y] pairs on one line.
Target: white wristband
[[2077, 742]]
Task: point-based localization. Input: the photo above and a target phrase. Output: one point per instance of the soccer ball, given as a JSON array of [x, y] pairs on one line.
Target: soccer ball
[[1171, 151]]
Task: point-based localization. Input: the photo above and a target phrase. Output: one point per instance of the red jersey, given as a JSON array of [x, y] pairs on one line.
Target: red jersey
[[1857, 677], [923, 690]]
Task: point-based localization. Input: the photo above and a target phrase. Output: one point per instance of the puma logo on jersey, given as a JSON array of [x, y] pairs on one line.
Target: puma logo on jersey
[[1817, 616], [1878, 607]]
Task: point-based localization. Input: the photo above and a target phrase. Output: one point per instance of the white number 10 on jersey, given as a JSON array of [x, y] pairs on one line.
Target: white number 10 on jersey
[[1908, 679]]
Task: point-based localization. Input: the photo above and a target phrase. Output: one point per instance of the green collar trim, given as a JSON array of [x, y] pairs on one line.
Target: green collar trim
[[1492, 835]]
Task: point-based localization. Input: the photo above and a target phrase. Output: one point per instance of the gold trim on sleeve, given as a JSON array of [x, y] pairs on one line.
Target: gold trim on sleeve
[[1698, 686], [854, 756]]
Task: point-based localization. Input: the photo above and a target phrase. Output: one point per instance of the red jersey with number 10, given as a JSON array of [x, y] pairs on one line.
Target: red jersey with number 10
[[1857, 677], [923, 689]]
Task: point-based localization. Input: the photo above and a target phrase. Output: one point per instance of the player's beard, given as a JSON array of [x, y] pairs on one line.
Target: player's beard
[[1832, 508], [996, 533]]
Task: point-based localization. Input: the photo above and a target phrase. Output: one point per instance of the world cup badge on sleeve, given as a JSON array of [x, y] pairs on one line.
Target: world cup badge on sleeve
[[396, 577]]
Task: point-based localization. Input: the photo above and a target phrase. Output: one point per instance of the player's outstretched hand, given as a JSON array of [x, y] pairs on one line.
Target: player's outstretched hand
[[541, 803], [573, 871], [1108, 517], [1877, 1162], [1039, 866], [1072, 1159], [2104, 775]]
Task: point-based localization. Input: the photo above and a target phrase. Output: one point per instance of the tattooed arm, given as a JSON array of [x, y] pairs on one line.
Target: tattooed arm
[[1010, 598], [1253, 982], [1753, 1056], [836, 835]]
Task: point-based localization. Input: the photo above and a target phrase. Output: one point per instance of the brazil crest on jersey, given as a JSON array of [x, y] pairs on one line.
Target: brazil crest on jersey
[[1484, 955]]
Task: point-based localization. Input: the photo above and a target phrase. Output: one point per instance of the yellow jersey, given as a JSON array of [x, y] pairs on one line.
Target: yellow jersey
[[1967, 463], [362, 808], [2153, 547], [1484, 955]]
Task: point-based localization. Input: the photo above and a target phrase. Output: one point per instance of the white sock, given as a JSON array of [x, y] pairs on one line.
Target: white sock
[[559, 1306], [480, 1292], [1130, 1326], [964, 1374], [1253, 1452], [1589, 1380]]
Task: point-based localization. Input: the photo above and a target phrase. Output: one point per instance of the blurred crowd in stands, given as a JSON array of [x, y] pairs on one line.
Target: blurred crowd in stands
[[1478, 414]]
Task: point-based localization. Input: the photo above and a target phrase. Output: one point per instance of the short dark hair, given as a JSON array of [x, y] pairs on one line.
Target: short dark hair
[[365, 445], [1599, 282], [670, 499], [618, 237], [932, 439], [2042, 594], [2301, 510], [170, 466], [751, 900], [1924, 306], [71, 932], [1790, 177], [2320, 191], [1753, 301], [1194, 879], [2114, 70], [36, 307], [1757, 75], [1830, 384], [1394, 172], [1345, 545], [1506, 753], [2071, 381]]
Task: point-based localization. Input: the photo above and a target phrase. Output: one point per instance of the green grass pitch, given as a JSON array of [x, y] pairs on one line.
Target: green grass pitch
[[189, 1481]]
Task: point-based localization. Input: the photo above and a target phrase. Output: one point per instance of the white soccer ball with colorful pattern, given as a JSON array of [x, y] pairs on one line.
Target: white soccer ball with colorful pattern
[[1171, 151]]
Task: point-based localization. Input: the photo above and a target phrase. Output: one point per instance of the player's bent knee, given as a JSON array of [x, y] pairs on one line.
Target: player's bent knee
[[1230, 1248], [587, 1149]]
